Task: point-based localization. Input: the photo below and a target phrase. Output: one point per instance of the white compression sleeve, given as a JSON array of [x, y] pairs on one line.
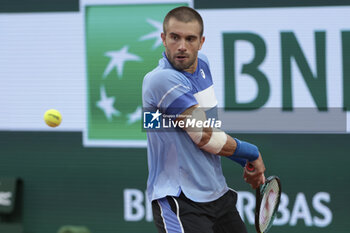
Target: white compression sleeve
[[196, 133], [216, 142]]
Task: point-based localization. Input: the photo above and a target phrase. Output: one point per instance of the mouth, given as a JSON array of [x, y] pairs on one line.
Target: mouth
[[181, 57]]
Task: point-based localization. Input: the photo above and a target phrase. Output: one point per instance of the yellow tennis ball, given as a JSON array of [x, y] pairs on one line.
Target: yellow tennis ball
[[52, 118]]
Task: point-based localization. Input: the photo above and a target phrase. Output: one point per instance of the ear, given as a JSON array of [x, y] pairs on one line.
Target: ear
[[162, 35], [201, 42]]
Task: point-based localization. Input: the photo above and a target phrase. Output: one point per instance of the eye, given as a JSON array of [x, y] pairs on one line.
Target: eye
[[191, 39], [174, 37]]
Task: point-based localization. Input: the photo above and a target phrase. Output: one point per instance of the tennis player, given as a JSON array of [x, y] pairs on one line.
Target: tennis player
[[186, 183]]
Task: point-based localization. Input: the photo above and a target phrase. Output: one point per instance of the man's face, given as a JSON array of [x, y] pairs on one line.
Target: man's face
[[182, 42]]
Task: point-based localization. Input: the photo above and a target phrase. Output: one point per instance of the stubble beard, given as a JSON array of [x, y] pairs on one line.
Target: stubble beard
[[180, 65]]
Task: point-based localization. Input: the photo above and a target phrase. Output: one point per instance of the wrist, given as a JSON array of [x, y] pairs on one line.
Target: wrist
[[240, 161], [245, 150]]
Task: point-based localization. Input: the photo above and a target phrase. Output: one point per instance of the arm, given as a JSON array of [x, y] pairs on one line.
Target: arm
[[218, 142]]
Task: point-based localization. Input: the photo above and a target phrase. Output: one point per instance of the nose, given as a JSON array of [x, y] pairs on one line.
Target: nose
[[182, 46]]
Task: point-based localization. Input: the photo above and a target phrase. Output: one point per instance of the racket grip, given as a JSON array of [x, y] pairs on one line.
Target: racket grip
[[250, 167]]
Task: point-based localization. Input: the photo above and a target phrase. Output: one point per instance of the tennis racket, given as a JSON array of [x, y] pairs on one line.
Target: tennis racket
[[268, 197]]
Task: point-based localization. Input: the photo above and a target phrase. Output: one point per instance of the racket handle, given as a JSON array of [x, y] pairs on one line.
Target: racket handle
[[250, 167]]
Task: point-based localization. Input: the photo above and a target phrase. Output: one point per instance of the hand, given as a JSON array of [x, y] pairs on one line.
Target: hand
[[255, 176]]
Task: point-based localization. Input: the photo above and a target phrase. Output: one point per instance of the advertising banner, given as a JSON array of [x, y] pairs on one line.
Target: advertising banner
[[122, 45], [104, 188]]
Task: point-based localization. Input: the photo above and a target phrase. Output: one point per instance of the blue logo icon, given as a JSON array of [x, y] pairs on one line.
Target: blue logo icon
[[151, 120]]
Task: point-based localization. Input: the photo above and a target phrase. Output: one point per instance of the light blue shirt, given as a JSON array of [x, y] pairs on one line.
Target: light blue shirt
[[175, 163]]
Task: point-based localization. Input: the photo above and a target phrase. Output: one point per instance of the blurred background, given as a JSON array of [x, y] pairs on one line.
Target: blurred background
[[281, 72]]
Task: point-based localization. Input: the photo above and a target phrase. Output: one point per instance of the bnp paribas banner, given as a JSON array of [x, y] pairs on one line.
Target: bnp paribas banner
[[275, 69], [122, 44], [280, 69]]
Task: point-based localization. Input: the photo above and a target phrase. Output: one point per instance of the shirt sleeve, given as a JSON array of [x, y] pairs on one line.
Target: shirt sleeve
[[170, 91]]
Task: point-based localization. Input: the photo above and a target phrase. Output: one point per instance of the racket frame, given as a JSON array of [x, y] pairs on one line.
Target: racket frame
[[259, 195]]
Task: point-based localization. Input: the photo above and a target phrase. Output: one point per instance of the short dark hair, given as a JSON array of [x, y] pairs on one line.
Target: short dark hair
[[184, 14]]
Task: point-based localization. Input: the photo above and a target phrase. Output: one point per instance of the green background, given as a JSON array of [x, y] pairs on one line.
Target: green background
[[110, 28], [67, 184]]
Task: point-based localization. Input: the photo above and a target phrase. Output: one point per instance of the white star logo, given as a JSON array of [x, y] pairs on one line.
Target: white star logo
[[106, 104], [118, 58], [135, 116], [155, 34], [156, 115]]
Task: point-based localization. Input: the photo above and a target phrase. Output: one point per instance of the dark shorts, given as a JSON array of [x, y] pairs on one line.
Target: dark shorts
[[180, 214]]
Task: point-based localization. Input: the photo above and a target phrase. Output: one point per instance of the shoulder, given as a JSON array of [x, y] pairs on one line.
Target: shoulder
[[203, 58], [163, 77], [160, 73]]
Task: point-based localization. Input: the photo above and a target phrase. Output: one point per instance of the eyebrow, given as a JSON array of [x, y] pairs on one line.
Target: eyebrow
[[189, 36]]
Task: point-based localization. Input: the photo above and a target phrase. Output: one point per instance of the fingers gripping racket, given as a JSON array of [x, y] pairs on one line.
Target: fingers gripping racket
[[268, 198]]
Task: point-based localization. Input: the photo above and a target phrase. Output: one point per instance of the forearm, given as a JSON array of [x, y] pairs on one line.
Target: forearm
[[229, 148], [216, 141]]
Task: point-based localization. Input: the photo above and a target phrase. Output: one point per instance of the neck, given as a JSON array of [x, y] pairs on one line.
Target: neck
[[193, 67]]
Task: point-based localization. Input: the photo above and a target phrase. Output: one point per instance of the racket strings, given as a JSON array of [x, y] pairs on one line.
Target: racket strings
[[269, 204]]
